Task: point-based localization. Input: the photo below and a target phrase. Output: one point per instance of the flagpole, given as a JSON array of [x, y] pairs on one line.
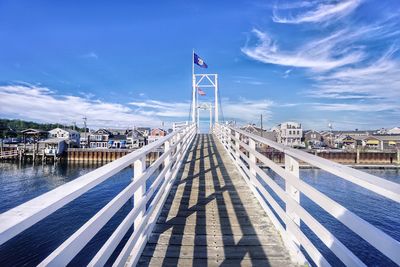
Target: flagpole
[[194, 91]]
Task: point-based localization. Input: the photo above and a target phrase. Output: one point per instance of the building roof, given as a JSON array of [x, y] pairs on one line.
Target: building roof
[[118, 137], [251, 128], [53, 141], [33, 131], [312, 131], [135, 133], [71, 131], [102, 131], [390, 137]]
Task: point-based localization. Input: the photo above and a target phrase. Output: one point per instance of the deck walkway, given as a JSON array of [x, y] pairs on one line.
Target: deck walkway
[[212, 218]]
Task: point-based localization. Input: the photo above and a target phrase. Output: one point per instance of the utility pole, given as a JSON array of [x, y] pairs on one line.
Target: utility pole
[[86, 135], [261, 123]]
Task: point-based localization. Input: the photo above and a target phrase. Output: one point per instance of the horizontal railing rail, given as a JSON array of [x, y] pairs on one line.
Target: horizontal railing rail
[[241, 146], [9, 153], [147, 203]]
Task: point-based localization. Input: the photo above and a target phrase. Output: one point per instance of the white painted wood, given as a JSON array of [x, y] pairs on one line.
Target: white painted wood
[[371, 182], [383, 242], [253, 159], [295, 252], [75, 243], [132, 249], [343, 253], [27, 214], [292, 166], [108, 248]]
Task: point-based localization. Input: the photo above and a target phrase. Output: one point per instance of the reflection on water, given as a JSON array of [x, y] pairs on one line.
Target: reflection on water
[[19, 183]]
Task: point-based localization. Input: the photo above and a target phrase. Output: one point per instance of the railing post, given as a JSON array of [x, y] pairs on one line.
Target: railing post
[[223, 135], [292, 166], [179, 145], [252, 157], [227, 137], [237, 146], [167, 160], [139, 167]]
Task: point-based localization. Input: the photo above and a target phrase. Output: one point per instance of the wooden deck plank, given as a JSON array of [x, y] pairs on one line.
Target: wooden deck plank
[[211, 217]]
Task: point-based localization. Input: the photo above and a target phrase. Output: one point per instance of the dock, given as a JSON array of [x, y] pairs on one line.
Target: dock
[[205, 201], [211, 217]]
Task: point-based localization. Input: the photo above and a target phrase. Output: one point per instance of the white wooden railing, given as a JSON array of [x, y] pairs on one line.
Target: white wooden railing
[[9, 153], [143, 219], [241, 146]]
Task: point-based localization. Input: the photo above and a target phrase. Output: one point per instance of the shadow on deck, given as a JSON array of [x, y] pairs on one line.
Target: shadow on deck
[[212, 218]]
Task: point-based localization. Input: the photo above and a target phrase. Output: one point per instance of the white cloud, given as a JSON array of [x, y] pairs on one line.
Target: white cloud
[[41, 104], [379, 80], [357, 107], [243, 110], [246, 110], [319, 13], [318, 55], [162, 109]]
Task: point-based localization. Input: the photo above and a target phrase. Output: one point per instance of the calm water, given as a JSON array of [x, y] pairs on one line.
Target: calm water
[[19, 183], [375, 209]]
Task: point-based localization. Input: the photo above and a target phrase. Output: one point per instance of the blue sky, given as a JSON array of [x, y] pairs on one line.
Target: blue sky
[[124, 63]]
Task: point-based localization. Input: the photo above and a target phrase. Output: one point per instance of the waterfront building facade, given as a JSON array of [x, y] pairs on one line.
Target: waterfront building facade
[[289, 134], [135, 139], [117, 141], [156, 134], [99, 138], [313, 139], [72, 137]]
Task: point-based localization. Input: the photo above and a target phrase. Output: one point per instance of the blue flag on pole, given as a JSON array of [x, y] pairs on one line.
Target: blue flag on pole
[[198, 61]]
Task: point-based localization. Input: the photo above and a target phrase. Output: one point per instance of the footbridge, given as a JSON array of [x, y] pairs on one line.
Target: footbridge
[[209, 204], [206, 201]]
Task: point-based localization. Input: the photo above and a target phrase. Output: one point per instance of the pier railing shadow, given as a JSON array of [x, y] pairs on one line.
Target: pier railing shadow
[[206, 173]]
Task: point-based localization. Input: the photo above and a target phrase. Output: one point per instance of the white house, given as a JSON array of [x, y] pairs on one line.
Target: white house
[[395, 130], [54, 146], [135, 139], [72, 137], [289, 134]]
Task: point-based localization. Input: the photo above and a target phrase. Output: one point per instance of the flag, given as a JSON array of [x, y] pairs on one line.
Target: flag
[[201, 92], [198, 61]]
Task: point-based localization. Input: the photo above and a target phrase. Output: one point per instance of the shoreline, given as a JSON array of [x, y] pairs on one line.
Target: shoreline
[[354, 166]]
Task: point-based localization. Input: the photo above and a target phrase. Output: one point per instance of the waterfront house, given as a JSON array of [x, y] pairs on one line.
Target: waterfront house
[[99, 138], [117, 141], [388, 142], [156, 134], [289, 134], [328, 139], [339, 135], [54, 146], [135, 139], [351, 142], [371, 143], [251, 128], [84, 140], [71, 137], [145, 131], [313, 139]]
